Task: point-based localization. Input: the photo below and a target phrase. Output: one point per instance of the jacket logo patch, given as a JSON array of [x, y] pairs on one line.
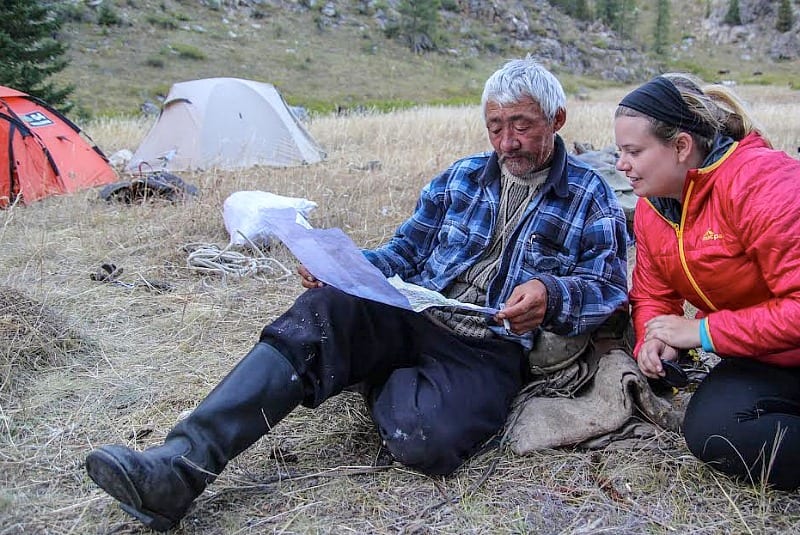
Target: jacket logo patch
[[711, 235]]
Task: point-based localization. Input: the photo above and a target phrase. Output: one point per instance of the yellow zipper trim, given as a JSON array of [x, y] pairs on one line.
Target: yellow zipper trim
[[678, 228], [720, 160], [659, 214], [682, 252]]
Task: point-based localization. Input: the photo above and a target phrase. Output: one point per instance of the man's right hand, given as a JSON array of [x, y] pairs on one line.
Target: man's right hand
[[307, 279], [650, 356], [525, 308]]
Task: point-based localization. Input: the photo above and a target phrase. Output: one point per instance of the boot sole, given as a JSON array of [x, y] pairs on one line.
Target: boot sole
[[109, 474]]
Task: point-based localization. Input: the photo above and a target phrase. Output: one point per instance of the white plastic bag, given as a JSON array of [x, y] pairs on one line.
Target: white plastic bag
[[245, 218]]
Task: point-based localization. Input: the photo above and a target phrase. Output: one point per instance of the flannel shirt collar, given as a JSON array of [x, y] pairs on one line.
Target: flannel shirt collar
[[556, 179]]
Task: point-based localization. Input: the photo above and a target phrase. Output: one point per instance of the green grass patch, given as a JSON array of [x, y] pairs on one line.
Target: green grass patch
[[188, 52], [165, 22]]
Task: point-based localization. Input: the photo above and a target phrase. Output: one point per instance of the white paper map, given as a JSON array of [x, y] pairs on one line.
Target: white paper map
[[334, 259], [421, 298]]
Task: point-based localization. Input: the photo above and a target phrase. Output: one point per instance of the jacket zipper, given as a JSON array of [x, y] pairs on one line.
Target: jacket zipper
[[678, 228]]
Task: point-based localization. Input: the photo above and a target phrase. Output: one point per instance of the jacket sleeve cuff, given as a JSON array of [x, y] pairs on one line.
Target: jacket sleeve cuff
[[554, 300], [705, 336]]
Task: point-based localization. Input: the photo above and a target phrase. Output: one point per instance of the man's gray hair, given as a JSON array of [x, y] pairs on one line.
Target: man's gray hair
[[525, 78]]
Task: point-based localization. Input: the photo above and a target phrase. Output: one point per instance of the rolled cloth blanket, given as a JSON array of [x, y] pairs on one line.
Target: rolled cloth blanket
[[599, 412]]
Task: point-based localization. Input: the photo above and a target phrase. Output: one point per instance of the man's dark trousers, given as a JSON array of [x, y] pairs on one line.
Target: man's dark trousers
[[434, 396]]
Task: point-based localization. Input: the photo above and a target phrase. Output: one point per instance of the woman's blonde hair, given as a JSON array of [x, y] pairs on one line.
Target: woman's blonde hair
[[714, 104]]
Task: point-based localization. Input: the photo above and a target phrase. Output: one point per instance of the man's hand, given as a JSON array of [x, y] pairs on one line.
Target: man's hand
[[675, 331], [525, 308], [650, 356], [307, 279]]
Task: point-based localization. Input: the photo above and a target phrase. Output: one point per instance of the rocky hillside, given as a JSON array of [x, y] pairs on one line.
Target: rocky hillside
[[757, 37], [479, 27], [325, 54]]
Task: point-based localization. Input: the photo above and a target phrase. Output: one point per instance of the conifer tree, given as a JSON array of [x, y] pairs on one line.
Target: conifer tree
[[785, 17], [582, 11], [420, 23], [733, 17], [30, 52], [609, 11], [578, 9], [661, 31], [619, 15]]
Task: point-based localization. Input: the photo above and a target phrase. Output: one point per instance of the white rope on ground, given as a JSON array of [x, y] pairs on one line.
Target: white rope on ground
[[209, 258]]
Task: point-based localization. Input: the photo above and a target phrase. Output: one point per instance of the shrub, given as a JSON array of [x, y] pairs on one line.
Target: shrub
[[107, 16], [188, 52], [162, 21], [154, 61]]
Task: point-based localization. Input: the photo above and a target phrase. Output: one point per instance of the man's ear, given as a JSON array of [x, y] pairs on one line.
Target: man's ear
[[684, 144], [559, 119]]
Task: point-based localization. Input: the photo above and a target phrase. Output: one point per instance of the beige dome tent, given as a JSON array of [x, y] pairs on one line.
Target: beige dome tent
[[224, 123]]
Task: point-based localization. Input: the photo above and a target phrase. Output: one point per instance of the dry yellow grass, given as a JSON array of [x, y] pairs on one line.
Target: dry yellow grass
[[151, 355]]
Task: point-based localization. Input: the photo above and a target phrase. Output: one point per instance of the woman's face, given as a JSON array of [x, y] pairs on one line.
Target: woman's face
[[655, 169]]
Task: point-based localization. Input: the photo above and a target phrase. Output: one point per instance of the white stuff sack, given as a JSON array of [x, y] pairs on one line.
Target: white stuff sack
[[245, 214]]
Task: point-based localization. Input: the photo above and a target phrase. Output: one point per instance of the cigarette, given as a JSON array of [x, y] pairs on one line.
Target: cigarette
[[506, 323]]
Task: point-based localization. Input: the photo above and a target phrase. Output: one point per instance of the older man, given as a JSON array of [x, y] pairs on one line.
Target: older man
[[526, 229]]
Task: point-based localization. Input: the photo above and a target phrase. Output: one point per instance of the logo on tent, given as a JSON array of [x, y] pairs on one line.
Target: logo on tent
[[37, 118]]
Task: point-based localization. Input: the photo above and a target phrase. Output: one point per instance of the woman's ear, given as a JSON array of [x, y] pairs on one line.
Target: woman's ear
[[684, 144]]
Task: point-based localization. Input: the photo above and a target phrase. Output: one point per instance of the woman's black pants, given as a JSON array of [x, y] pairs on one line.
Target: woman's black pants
[[744, 420]]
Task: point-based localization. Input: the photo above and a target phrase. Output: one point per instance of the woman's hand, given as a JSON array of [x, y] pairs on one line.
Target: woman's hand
[[651, 353], [676, 331], [307, 279]]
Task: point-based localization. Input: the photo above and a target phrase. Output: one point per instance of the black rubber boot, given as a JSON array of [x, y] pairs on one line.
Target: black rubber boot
[[158, 485]]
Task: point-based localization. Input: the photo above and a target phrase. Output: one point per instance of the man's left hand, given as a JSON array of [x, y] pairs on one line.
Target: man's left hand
[[525, 308], [308, 280]]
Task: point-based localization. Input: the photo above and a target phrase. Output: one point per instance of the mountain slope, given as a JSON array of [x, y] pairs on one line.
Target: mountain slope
[[336, 54]]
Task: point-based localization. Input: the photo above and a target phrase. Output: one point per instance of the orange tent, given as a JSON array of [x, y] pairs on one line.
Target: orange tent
[[43, 153]]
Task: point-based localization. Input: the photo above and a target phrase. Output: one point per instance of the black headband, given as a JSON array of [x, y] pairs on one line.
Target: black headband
[[660, 99]]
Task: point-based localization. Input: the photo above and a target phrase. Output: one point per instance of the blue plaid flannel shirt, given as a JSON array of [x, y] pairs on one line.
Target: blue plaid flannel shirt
[[572, 237]]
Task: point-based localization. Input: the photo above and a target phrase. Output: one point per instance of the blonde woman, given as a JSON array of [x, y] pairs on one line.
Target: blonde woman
[[718, 225]]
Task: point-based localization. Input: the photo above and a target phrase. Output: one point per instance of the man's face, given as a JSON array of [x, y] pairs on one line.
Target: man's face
[[521, 135]]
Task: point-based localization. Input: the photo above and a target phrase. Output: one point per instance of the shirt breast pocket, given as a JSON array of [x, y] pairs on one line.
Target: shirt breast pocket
[[544, 255], [453, 243]]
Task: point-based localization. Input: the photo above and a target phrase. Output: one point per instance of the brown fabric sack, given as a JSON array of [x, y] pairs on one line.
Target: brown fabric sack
[[603, 406]]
